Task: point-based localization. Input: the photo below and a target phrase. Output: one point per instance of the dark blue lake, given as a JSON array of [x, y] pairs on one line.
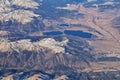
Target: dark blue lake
[[64, 25], [78, 33], [70, 32], [53, 33]]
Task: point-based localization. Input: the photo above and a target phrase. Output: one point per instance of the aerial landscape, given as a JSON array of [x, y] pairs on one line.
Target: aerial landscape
[[59, 39]]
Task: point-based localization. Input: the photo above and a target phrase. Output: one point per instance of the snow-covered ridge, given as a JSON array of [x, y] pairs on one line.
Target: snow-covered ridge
[[7, 12], [26, 44]]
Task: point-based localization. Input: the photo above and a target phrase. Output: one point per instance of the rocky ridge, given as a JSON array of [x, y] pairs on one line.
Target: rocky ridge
[[14, 10], [23, 56], [26, 44]]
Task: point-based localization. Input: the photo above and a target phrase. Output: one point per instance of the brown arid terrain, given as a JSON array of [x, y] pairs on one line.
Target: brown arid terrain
[[102, 22], [72, 40]]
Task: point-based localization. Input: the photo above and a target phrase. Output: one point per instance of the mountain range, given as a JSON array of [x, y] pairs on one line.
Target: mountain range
[[59, 40]]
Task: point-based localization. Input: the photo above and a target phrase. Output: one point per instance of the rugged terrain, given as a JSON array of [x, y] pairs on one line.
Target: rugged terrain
[[72, 40]]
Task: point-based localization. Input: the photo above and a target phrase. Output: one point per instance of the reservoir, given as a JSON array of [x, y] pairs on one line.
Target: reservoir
[[78, 33], [53, 33]]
